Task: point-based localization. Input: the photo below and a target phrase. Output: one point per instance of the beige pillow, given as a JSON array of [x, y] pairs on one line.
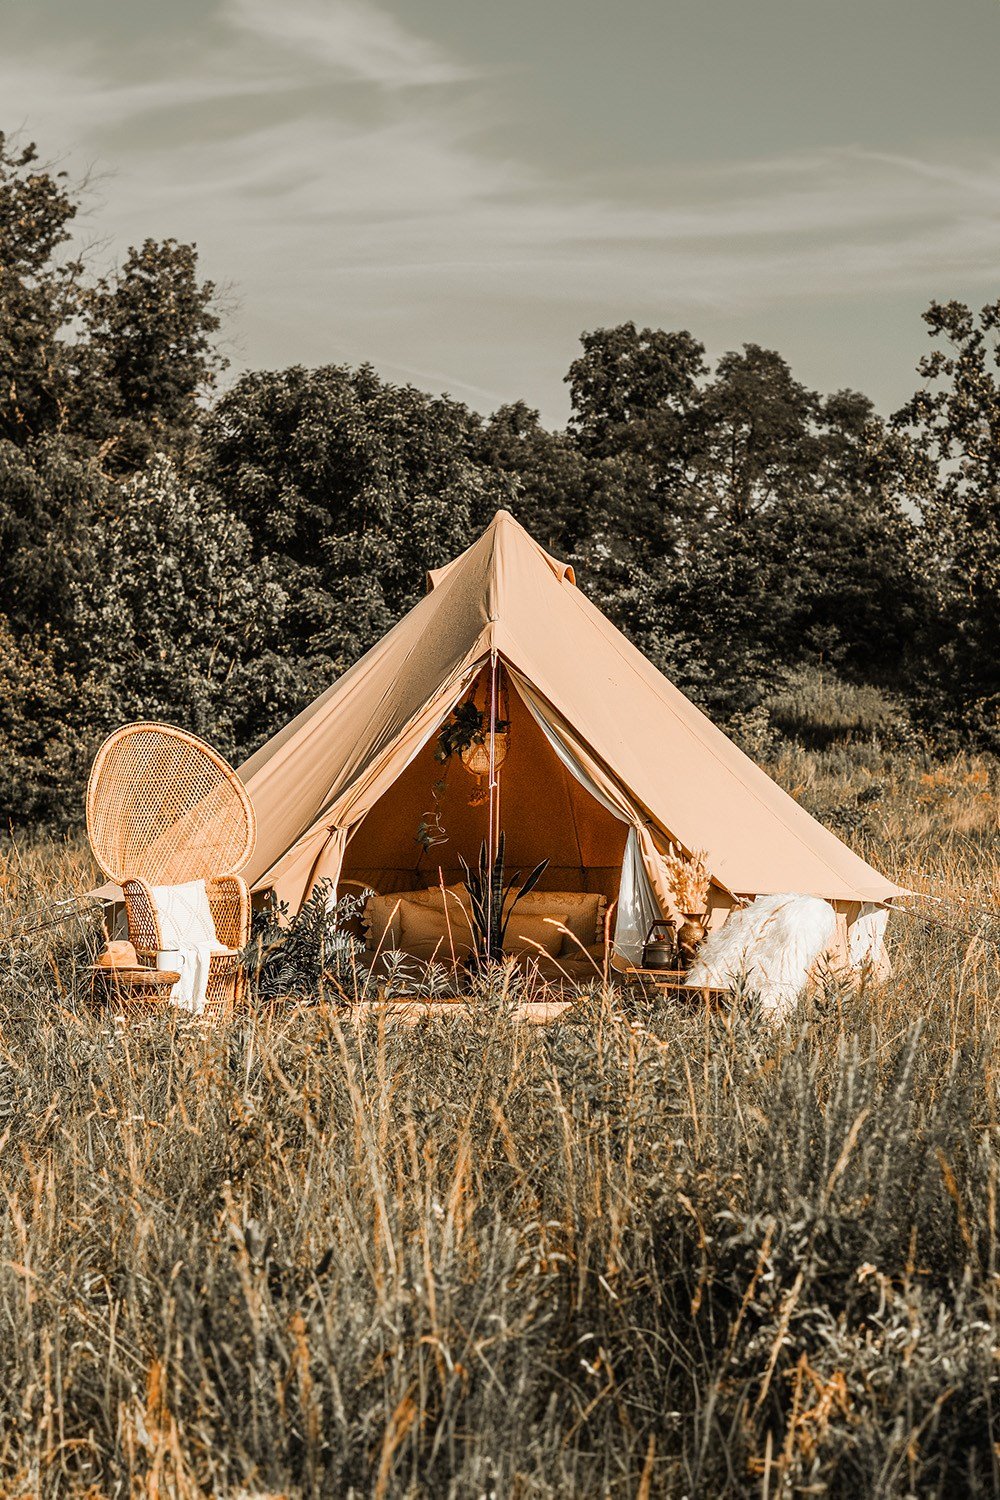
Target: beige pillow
[[454, 900], [530, 935], [429, 924], [581, 912], [439, 952], [381, 915], [381, 920]]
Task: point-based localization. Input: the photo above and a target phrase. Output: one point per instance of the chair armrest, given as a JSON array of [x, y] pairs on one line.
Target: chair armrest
[[229, 900], [140, 909]]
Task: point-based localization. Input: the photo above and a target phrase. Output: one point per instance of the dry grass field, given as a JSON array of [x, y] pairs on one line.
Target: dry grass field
[[651, 1251]]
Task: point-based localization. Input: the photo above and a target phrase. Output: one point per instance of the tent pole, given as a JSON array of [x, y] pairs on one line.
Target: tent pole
[[492, 831]]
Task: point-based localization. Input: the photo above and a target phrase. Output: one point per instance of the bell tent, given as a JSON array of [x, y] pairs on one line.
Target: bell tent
[[605, 763]]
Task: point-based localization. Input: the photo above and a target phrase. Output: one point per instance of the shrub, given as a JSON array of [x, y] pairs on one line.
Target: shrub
[[819, 708]]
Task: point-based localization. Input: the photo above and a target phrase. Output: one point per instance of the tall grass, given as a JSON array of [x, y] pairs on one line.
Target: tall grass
[[653, 1251]]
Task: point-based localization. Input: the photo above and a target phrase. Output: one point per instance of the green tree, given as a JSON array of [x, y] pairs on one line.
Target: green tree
[[564, 496], [115, 366], [355, 487], [178, 618], [635, 389], [48, 714], [39, 297], [953, 468], [48, 497], [761, 435], [150, 330], [636, 398]]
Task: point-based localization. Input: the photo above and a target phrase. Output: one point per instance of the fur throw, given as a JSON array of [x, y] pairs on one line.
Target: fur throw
[[767, 949]]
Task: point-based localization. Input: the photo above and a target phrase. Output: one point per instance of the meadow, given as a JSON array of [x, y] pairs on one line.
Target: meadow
[[649, 1251]]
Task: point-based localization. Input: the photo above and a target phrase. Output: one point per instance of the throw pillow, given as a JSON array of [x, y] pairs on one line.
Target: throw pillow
[[428, 924], [530, 936], [381, 920], [381, 915], [581, 912]]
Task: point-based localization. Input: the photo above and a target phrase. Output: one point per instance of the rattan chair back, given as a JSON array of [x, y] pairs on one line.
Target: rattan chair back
[[163, 806]]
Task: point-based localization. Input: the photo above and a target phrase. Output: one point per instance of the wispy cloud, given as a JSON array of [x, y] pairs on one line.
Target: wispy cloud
[[353, 38], [397, 228]]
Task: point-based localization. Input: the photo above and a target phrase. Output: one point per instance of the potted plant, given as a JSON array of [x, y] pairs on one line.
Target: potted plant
[[689, 881], [490, 901]]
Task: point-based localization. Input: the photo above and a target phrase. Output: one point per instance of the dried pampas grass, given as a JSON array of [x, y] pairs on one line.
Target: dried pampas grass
[[688, 876]]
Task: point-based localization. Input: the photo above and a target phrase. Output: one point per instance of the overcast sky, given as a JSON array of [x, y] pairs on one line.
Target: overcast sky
[[453, 191]]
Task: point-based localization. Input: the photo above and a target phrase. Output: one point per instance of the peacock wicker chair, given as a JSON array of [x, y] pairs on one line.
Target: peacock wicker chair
[[164, 808]]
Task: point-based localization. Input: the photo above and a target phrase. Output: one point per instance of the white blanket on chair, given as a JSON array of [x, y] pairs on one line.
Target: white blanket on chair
[[187, 931]]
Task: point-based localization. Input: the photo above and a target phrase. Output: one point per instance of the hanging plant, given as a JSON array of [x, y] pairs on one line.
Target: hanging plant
[[465, 733], [464, 727]]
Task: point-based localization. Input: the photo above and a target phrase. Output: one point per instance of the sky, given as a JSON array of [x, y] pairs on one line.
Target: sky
[[453, 192]]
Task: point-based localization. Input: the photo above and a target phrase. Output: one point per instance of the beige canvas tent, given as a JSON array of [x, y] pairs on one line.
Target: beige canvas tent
[[607, 761]]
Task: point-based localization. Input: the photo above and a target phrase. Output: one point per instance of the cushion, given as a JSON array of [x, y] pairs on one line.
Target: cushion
[[184, 915], [530, 935], [420, 923], [581, 912], [439, 951], [381, 912]]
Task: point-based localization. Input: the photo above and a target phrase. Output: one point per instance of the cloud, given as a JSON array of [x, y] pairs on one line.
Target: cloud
[[388, 222], [353, 38]]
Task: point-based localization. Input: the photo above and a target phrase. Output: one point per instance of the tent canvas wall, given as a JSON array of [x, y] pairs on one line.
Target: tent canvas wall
[[614, 762]]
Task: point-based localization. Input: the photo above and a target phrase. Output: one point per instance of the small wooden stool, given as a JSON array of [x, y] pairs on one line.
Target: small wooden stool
[[132, 991]]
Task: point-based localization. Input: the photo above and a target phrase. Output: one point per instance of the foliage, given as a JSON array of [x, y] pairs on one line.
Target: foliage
[[106, 364], [465, 726], [308, 955], [38, 295], [46, 713], [355, 487], [150, 333], [178, 615], [492, 901], [954, 470]]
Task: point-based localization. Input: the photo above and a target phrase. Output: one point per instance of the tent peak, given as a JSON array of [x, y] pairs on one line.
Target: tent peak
[[504, 531]]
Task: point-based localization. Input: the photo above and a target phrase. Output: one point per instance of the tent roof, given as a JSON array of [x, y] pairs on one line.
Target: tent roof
[[505, 593]]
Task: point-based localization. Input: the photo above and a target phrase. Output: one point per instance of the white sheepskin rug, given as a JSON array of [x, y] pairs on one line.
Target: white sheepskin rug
[[767, 949]]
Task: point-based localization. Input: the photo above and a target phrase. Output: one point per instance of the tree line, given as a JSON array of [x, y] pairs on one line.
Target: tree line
[[217, 559]]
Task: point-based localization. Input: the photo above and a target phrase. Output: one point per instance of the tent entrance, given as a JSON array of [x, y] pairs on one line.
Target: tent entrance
[[544, 812]]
